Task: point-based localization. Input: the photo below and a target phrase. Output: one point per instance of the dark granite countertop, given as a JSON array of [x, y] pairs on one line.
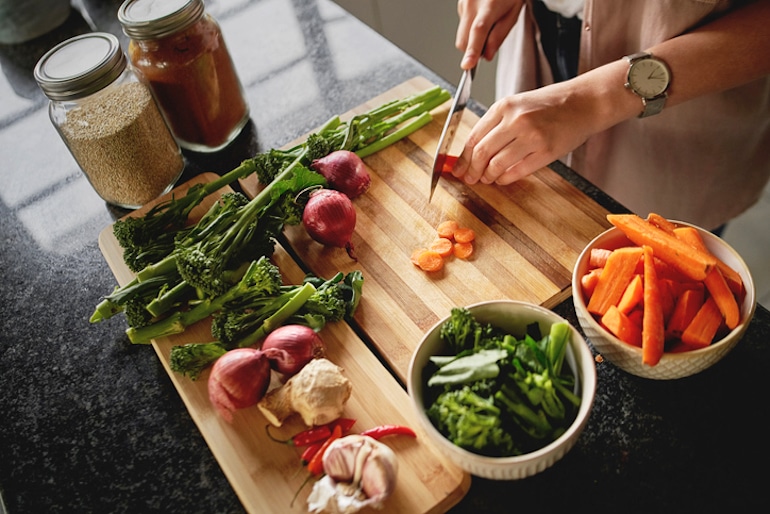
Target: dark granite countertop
[[90, 423]]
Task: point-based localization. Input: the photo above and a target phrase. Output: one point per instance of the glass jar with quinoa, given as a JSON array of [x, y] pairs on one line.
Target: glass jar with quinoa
[[109, 120], [178, 50]]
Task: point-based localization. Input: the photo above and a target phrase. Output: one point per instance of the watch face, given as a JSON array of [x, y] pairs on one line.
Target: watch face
[[648, 77]]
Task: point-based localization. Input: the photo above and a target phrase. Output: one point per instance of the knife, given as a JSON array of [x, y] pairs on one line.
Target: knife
[[459, 102]]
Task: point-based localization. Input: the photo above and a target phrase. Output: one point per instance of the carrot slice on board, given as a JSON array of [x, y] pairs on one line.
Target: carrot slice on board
[[464, 235], [428, 260], [704, 326], [614, 279], [442, 246], [622, 327], [653, 327], [463, 250], [691, 236], [694, 263], [414, 257], [447, 229], [632, 296], [687, 306]]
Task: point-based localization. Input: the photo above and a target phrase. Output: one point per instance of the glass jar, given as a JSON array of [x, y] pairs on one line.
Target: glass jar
[[109, 120], [178, 50]]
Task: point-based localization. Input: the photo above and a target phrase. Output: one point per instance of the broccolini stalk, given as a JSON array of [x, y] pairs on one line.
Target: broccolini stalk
[[259, 280]]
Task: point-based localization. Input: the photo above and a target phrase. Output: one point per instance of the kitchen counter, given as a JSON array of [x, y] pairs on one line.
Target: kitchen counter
[[91, 423]]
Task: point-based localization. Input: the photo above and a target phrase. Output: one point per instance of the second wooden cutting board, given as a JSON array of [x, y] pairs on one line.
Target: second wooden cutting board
[[528, 237]]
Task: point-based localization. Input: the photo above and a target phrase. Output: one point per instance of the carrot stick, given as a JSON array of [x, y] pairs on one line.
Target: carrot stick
[[447, 229], [598, 257], [464, 235], [463, 250], [694, 263], [442, 246], [687, 306], [723, 297], [613, 281], [691, 236], [632, 296], [653, 330], [703, 327], [661, 222], [622, 327], [589, 280]]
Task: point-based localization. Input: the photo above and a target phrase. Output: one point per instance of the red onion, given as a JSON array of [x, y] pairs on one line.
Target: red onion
[[345, 171], [290, 347], [239, 379], [330, 218]]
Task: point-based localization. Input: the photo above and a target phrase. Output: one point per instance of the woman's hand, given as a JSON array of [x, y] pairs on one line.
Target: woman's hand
[[483, 26], [521, 133]]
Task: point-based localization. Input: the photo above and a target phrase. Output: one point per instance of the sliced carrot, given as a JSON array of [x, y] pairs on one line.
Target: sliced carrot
[[613, 281], [704, 326], [694, 263], [691, 236], [589, 280], [464, 235], [624, 329], [687, 306], [447, 229], [637, 317], [428, 260], [661, 222], [442, 246], [723, 297], [653, 326], [598, 257], [632, 296], [415, 256], [463, 250]]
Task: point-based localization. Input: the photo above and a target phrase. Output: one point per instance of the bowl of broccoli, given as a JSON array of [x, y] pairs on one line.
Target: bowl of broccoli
[[503, 388]]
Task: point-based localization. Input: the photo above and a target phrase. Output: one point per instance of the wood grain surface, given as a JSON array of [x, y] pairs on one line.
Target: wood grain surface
[[264, 474], [528, 237]]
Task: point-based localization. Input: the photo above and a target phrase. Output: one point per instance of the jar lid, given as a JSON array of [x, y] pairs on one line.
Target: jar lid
[[80, 66], [150, 19]]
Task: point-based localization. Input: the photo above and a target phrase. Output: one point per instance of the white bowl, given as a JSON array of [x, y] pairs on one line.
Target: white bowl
[[672, 365], [512, 316]]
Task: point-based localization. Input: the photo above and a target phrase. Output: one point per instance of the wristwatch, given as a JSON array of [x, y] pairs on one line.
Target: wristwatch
[[649, 78]]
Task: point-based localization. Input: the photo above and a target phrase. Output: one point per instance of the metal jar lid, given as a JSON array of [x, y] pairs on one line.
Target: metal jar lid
[[151, 19], [80, 66]]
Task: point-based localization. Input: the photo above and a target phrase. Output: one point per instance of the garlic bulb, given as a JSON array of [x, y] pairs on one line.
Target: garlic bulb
[[360, 472]]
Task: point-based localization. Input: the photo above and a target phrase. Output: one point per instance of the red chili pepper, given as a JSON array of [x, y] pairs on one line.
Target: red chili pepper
[[310, 451], [384, 430], [304, 438], [345, 423], [316, 465]]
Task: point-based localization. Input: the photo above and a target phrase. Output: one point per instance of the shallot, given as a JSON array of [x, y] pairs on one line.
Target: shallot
[[345, 171], [290, 347], [330, 218], [239, 379]]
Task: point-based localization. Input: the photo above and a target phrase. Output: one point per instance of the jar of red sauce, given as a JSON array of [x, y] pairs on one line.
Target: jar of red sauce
[[177, 49]]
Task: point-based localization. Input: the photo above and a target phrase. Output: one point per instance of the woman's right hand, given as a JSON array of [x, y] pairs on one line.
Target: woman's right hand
[[483, 26]]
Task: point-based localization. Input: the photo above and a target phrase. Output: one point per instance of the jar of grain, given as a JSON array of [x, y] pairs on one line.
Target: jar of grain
[[177, 49], [109, 120]]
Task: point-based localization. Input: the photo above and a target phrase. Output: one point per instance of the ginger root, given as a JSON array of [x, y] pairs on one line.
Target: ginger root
[[318, 393]]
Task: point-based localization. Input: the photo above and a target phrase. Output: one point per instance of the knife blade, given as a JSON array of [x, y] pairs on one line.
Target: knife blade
[[459, 103]]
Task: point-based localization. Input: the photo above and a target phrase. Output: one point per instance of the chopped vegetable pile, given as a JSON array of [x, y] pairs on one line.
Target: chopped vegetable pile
[[664, 293], [500, 394]]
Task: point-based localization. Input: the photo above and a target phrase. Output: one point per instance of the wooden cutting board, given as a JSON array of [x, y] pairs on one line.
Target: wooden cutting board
[[528, 237], [264, 474]]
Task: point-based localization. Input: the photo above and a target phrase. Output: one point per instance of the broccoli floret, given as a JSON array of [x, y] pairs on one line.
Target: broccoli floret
[[460, 330], [471, 421], [191, 359]]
